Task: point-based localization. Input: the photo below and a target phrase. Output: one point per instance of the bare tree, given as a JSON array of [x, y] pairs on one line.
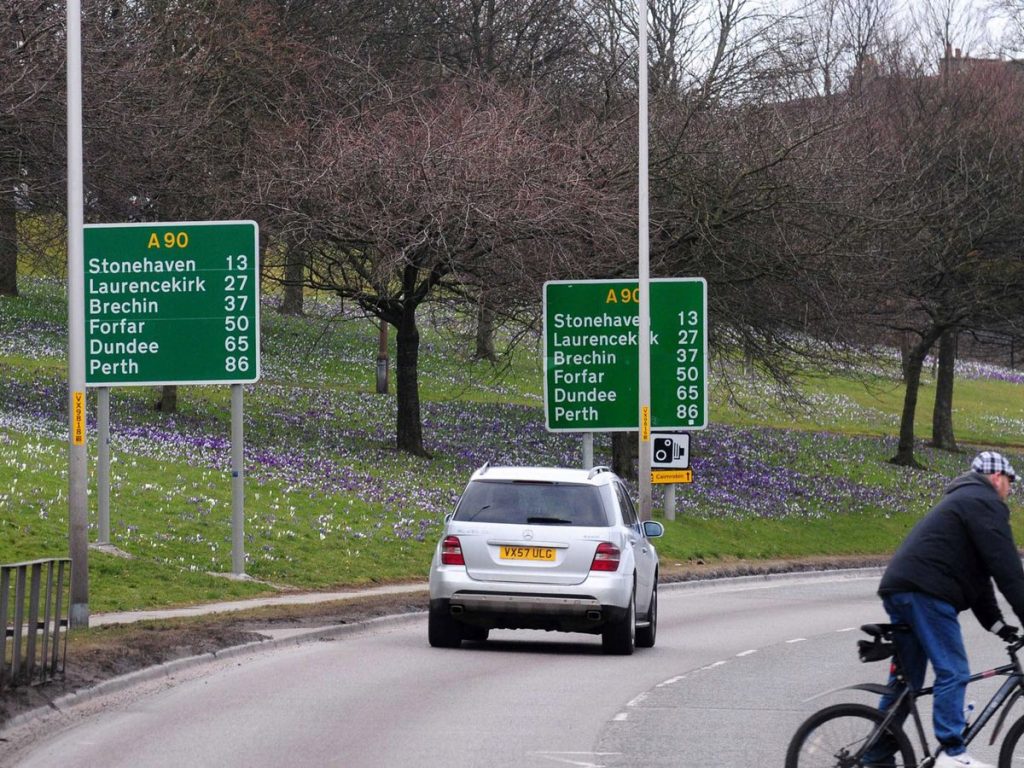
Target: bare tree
[[178, 90], [434, 190], [942, 413], [1011, 14], [951, 210], [522, 40], [820, 47], [949, 27], [866, 24], [31, 74]]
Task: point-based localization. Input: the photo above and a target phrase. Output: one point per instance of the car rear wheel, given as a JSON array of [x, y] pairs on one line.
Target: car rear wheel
[[619, 637], [476, 634], [647, 631], [442, 630]]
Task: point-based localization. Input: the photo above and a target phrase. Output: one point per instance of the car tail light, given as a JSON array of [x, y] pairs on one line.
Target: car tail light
[[606, 558], [451, 551]]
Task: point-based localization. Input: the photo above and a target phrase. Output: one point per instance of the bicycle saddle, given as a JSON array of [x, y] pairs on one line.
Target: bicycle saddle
[[880, 647], [883, 631]]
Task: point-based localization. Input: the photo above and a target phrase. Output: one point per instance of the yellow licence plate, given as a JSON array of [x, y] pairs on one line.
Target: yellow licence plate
[[546, 554]]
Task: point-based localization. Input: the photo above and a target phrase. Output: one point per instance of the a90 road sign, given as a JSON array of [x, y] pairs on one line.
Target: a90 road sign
[[171, 303], [592, 354]]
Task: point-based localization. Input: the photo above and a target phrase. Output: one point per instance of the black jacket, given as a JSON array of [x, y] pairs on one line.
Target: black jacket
[[957, 549]]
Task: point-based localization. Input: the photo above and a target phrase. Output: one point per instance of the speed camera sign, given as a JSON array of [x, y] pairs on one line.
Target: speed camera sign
[[670, 450]]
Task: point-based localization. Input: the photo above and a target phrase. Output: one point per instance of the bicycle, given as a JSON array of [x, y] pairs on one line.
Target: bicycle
[[840, 735]]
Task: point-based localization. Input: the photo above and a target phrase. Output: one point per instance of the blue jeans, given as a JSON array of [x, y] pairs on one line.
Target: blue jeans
[[935, 636]]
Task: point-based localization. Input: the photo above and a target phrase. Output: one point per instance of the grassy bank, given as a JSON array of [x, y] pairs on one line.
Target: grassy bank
[[329, 502]]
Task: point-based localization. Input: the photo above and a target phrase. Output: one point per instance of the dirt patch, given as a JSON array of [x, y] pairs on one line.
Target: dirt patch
[[102, 653], [721, 569]]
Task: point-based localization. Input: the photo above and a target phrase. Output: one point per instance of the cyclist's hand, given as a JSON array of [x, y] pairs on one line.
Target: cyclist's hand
[[1007, 633]]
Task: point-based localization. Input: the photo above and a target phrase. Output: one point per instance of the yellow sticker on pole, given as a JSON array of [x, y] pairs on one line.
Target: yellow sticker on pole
[[672, 476], [645, 423], [78, 418]]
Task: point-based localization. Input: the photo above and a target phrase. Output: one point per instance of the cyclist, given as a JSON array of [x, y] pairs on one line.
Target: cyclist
[[945, 565]]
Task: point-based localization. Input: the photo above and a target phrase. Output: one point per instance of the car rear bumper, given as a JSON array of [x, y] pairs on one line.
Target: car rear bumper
[[509, 610], [512, 603], [607, 588], [601, 598]]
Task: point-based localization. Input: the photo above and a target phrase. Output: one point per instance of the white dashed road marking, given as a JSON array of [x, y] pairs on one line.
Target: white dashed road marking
[[579, 759]]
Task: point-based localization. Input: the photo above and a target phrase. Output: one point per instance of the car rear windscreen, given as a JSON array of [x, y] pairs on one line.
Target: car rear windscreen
[[528, 503]]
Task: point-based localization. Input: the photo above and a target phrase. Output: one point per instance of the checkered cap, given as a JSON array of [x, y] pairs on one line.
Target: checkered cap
[[990, 462]]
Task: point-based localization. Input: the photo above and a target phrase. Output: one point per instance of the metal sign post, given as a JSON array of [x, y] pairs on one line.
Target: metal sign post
[[644, 274], [237, 483], [103, 464], [78, 505]]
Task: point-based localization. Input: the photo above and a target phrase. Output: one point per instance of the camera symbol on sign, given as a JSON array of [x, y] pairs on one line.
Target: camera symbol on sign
[[671, 451]]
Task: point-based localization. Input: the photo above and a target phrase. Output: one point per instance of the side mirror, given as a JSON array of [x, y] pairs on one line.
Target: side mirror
[[653, 529]]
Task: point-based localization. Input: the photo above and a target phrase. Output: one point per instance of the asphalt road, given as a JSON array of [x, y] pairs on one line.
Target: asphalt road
[[726, 685]]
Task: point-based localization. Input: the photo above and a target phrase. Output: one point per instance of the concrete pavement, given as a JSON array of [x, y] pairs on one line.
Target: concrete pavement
[[298, 598]]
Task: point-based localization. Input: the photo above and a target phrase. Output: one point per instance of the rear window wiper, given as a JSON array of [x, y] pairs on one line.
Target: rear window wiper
[[547, 521], [472, 516]]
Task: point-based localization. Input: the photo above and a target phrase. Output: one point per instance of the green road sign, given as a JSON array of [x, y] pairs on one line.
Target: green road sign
[[171, 303], [592, 354]]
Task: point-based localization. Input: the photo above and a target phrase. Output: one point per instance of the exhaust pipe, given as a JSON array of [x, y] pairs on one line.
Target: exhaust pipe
[[457, 610], [594, 615]]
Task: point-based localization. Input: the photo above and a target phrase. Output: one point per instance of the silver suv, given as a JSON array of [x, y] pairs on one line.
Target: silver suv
[[540, 548]]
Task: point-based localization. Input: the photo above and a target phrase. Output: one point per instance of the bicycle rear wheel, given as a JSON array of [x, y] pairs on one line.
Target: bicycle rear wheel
[[835, 737]]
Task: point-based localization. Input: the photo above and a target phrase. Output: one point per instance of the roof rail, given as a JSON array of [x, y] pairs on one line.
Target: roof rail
[[597, 471]]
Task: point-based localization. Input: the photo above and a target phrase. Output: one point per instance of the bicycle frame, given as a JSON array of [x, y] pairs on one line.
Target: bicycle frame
[[905, 700]]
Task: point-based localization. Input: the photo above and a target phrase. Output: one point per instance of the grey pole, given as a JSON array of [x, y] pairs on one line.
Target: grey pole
[[670, 501], [103, 463], [588, 450], [78, 503], [237, 484], [644, 384]]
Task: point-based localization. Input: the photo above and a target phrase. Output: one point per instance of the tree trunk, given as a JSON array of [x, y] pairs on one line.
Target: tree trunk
[[906, 339], [624, 453], [913, 360], [485, 329], [294, 278], [409, 437], [168, 402], [8, 244], [942, 415], [382, 359]]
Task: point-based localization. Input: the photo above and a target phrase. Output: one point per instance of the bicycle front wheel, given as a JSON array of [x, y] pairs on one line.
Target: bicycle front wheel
[[836, 737], [1011, 755]]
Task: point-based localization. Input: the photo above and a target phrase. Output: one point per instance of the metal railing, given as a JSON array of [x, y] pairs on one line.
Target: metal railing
[[35, 643]]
